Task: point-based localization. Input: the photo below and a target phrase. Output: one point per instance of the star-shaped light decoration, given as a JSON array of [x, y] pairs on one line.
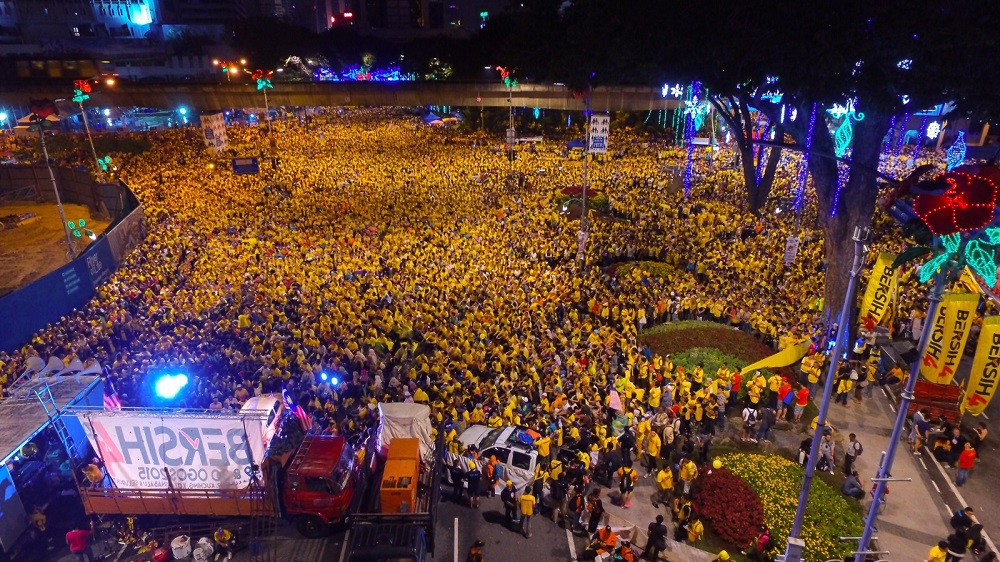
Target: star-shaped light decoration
[[263, 78]]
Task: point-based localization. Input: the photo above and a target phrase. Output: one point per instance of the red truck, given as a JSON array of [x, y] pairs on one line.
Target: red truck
[[222, 464]]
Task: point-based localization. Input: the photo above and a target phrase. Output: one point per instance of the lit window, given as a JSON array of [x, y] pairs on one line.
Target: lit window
[[76, 32]]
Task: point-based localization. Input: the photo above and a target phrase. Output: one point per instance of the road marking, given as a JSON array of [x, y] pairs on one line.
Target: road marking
[[935, 485], [572, 545], [948, 507], [985, 416], [343, 549], [954, 490], [884, 393], [922, 464], [891, 407], [455, 548]]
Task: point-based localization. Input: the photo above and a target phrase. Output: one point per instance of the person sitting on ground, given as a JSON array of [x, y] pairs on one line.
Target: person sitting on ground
[[602, 542], [852, 486]]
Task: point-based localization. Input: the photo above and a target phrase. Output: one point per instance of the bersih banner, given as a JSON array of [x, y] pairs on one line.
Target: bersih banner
[[948, 337]]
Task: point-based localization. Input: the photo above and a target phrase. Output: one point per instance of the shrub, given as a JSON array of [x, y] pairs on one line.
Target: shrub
[[736, 348], [729, 506], [777, 482]]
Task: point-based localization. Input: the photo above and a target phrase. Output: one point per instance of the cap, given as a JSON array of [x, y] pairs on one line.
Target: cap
[[509, 483], [472, 464], [723, 555]]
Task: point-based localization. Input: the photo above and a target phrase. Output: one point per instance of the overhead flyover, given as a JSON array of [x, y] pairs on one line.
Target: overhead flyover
[[207, 97]]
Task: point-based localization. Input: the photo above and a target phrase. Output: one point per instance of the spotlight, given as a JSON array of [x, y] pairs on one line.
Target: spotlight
[[334, 381], [323, 376], [107, 112], [182, 111], [168, 386]]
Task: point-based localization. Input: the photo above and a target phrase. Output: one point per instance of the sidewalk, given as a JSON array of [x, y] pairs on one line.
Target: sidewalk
[[914, 518]]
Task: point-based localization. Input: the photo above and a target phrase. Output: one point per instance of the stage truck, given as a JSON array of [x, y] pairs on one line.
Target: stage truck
[[259, 462]]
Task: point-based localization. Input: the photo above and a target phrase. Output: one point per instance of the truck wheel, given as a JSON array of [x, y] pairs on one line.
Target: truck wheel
[[310, 526]]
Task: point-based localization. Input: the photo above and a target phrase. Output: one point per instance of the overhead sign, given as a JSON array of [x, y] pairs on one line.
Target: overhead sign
[[214, 127], [600, 125], [791, 249], [245, 166], [160, 452]]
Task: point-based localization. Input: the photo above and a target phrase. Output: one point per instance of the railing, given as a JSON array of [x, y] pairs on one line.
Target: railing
[[216, 503]]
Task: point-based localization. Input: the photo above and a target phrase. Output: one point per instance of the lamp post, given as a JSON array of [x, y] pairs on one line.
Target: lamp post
[[885, 465], [81, 90], [263, 78], [793, 552], [40, 111], [582, 235], [229, 67]]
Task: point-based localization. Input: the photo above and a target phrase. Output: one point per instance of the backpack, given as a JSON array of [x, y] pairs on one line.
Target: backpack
[[627, 480], [861, 449]]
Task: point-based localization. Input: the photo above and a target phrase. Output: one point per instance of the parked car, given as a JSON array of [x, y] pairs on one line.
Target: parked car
[[503, 442]]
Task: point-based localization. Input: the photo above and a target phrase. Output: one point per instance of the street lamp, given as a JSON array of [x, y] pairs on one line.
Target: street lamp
[[3, 119], [81, 91], [230, 67], [40, 111]]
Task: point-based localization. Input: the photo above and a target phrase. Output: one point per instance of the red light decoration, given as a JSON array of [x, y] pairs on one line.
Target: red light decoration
[[82, 85], [43, 108], [967, 204]]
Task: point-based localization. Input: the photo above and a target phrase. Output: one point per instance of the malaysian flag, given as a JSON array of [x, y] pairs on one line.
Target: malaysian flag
[[296, 409], [111, 401]]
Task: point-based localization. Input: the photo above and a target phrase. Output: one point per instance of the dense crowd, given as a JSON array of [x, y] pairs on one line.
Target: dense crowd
[[376, 259]]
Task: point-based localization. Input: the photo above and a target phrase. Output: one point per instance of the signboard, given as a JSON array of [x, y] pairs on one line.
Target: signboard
[[214, 127], [791, 249], [157, 452], [511, 136], [600, 125], [245, 166]]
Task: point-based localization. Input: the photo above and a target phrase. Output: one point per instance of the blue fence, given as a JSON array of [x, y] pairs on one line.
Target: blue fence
[[45, 301]]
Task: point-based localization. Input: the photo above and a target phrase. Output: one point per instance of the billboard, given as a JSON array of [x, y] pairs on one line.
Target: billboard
[[150, 451], [600, 126], [214, 127]]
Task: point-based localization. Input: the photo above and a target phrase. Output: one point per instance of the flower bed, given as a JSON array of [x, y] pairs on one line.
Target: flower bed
[[777, 482], [692, 342], [729, 506]]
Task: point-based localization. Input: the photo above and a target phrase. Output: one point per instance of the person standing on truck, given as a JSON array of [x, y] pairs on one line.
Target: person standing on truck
[[223, 543], [527, 504], [509, 502], [474, 479]]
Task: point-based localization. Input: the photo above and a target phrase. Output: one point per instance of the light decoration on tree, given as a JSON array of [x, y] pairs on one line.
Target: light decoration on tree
[[902, 134], [845, 132], [804, 170], [537, 112], [76, 227], [104, 163], [956, 152], [887, 141], [508, 79], [933, 130], [842, 173], [689, 132], [263, 78], [80, 90], [675, 91], [920, 139]]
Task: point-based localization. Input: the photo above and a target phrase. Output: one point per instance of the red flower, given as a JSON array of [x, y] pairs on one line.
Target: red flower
[[43, 108], [967, 203], [729, 506], [82, 85]]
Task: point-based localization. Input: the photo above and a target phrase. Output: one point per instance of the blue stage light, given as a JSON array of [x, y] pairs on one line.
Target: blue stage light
[[168, 386]]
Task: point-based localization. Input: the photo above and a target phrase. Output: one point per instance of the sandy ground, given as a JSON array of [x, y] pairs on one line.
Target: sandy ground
[[32, 250]]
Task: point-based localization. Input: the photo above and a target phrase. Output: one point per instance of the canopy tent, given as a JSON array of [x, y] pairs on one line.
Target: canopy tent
[[430, 117]]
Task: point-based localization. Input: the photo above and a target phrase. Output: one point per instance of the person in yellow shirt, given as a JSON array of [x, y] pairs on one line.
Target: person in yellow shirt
[[527, 504], [544, 448], [420, 396], [664, 487], [653, 446]]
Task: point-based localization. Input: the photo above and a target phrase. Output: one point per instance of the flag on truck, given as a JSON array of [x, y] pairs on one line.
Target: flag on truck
[[111, 401], [304, 418]]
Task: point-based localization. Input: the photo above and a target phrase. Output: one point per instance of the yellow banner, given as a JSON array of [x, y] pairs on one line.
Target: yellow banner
[[985, 368], [783, 358], [967, 280], [881, 286], [948, 336]]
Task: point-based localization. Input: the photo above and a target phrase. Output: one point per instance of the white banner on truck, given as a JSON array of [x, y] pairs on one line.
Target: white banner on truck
[[159, 452]]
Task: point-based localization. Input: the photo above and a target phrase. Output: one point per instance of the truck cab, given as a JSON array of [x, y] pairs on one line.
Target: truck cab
[[319, 483]]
